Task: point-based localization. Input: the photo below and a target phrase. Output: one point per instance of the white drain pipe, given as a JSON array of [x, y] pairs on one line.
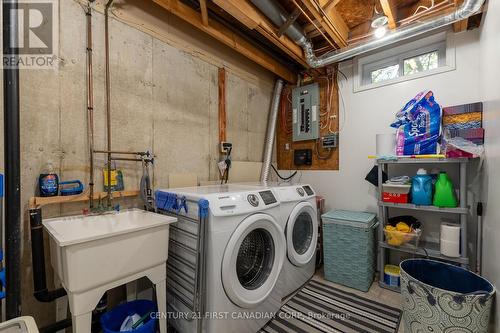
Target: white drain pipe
[[271, 132]]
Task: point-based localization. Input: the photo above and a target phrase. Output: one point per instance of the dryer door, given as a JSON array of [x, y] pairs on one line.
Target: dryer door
[[253, 260], [302, 234]]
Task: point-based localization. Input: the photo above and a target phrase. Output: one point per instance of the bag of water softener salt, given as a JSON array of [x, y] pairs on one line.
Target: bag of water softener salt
[[418, 126]]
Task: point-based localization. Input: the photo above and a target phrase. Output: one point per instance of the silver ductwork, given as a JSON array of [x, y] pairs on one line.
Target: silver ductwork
[[278, 15], [271, 132], [269, 8]]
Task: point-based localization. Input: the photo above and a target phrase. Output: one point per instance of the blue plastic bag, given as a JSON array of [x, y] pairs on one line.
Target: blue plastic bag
[[418, 126]]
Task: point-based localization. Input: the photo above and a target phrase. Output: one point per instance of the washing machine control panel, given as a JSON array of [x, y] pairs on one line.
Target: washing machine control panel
[[268, 197], [253, 200], [300, 191]]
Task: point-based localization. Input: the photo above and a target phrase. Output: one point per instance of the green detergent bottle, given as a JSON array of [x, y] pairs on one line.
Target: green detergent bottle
[[444, 195]]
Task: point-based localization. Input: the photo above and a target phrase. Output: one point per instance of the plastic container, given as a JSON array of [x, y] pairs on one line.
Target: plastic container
[[392, 275], [48, 182], [445, 193], [440, 297], [421, 191], [112, 320], [396, 193], [400, 238], [349, 248]]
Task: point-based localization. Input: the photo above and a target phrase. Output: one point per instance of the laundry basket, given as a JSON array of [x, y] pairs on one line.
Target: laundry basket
[[112, 320], [440, 297], [349, 248]]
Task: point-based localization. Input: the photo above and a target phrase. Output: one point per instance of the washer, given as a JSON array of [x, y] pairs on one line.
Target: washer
[[246, 250], [299, 218]]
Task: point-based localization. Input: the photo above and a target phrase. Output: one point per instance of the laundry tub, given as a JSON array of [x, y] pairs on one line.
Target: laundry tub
[[440, 297], [19, 325]]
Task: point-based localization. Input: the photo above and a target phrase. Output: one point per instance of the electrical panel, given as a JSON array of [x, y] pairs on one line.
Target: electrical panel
[[330, 141], [302, 157], [305, 105]]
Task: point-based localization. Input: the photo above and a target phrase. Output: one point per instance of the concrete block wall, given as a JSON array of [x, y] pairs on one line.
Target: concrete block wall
[[164, 97]]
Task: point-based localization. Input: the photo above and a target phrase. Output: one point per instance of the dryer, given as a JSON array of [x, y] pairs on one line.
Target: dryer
[[299, 218], [245, 253]]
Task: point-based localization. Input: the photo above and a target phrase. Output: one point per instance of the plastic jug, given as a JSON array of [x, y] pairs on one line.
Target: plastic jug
[[445, 193], [48, 182], [421, 190]]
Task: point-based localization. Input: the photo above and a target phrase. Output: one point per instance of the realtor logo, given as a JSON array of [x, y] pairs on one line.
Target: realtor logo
[[36, 41]]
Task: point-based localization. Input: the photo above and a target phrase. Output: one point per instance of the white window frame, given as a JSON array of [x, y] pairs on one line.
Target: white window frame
[[442, 42]]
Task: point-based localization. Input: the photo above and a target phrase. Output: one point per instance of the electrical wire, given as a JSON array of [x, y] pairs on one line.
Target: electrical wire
[[318, 155], [281, 177]]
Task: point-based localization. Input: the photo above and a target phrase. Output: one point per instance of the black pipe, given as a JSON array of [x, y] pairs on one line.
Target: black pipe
[[41, 293], [12, 163]]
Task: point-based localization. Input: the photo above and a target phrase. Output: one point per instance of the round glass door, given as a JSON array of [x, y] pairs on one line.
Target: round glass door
[[302, 234], [253, 260]]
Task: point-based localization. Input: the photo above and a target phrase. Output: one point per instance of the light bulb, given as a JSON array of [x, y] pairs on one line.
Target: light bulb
[[380, 32]]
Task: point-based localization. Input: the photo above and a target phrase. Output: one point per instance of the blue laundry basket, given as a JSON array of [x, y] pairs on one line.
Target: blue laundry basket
[[440, 298], [112, 320], [349, 248]]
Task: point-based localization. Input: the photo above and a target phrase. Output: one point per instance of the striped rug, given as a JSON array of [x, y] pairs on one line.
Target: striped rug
[[318, 307]]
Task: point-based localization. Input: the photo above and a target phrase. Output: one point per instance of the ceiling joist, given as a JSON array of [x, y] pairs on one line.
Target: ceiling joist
[[330, 21], [252, 18], [228, 37], [390, 11]]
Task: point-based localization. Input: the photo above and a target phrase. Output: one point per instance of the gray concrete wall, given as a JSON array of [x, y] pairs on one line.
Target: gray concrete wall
[[164, 97]]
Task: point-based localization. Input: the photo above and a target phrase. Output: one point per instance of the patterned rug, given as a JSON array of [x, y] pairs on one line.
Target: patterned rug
[[318, 307]]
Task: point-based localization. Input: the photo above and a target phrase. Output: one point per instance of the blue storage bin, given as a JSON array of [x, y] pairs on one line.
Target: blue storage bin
[[112, 320], [349, 248]]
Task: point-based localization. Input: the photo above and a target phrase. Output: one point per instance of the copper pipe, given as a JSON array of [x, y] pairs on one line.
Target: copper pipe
[[108, 97], [138, 153], [131, 159], [90, 101]]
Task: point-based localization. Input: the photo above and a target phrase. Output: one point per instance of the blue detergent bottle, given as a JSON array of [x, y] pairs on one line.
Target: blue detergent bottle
[[48, 182], [421, 190]]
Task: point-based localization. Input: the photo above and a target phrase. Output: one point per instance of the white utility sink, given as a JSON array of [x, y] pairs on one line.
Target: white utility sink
[[92, 254], [19, 325]]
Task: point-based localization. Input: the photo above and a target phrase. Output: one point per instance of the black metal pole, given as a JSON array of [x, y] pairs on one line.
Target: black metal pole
[[12, 163]]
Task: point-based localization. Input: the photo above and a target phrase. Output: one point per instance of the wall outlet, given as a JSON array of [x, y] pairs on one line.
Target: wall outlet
[[225, 146]]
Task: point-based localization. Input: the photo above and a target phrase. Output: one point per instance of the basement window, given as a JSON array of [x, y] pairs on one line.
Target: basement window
[[427, 56]]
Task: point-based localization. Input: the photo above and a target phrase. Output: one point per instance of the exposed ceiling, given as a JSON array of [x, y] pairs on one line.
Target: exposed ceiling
[[329, 24]]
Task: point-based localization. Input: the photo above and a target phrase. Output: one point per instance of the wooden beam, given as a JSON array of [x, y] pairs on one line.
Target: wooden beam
[[204, 12], [328, 4], [38, 202], [222, 105], [252, 18], [331, 21], [228, 37], [390, 11], [460, 25]]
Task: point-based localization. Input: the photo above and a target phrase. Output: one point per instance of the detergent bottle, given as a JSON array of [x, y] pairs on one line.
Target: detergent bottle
[[48, 182], [421, 190], [445, 193]]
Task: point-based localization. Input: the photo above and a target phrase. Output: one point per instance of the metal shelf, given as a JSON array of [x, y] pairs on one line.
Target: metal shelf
[[456, 210], [408, 160], [425, 249]]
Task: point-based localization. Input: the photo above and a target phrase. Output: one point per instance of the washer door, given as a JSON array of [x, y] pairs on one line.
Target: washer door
[[253, 260], [302, 234]]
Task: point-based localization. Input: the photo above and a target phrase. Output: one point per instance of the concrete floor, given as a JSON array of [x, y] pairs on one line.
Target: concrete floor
[[375, 293]]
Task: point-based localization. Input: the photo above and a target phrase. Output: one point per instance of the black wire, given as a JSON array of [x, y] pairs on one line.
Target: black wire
[[225, 175], [281, 177]]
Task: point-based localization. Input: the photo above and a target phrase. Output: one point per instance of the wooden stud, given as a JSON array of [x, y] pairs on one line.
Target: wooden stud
[[332, 22], [460, 25], [289, 21], [390, 11], [252, 18], [38, 202], [228, 37], [204, 12], [328, 4], [222, 105]]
